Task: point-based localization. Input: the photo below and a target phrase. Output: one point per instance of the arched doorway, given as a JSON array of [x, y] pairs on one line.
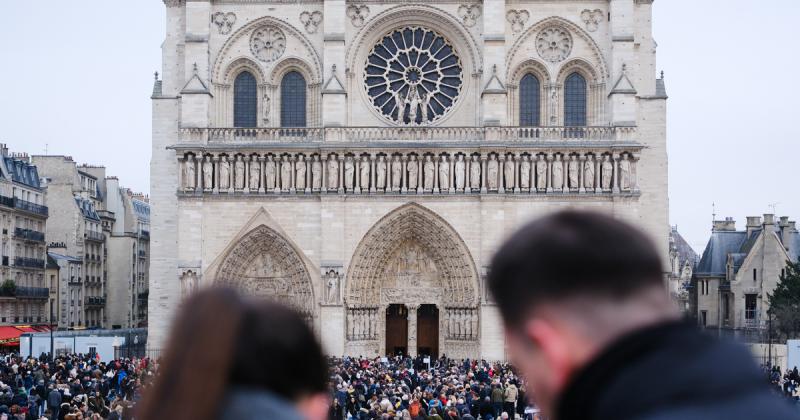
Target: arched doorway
[[397, 330], [428, 330]]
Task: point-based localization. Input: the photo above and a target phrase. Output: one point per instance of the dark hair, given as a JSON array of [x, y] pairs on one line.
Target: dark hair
[[567, 254], [221, 340]]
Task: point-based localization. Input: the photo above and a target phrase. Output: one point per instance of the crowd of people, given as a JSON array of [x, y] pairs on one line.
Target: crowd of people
[[409, 389], [71, 387], [785, 384]]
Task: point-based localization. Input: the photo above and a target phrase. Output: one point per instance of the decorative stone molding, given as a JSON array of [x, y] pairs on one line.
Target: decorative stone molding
[[517, 19], [311, 20], [469, 14], [554, 44], [358, 14], [592, 18], [267, 43], [190, 282], [224, 21], [462, 324], [332, 280], [363, 324]]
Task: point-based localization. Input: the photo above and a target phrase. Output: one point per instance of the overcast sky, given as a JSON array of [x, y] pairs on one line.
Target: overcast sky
[[78, 77]]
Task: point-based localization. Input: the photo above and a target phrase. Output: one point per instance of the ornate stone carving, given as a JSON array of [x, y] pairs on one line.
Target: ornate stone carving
[[265, 106], [413, 172], [462, 324], [588, 173], [267, 43], [592, 18], [460, 174], [525, 173], [624, 173], [397, 171], [362, 324], [554, 44], [380, 170], [517, 19], [286, 174], [189, 283], [553, 105], [189, 173], [492, 168], [429, 170], [224, 173], [541, 173], [224, 21], [469, 14], [349, 172], [208, 174], [444, 174], [270, 173], [558, 173], [311, 20], [358, 14], [475, 173], [316, 173], [255, 174], [238, 175], [364, 172], [572, 172], [333, 173], [332, 280], [606, 172], [508, 170], [300, 173]]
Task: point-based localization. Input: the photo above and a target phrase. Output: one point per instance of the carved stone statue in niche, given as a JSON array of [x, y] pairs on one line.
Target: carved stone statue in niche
[[189, 283], [429, 170], [270, 173], [624, 173], [492, 168], [412, 167], [380, 169], [475, 173], [541, 173], [525, 173], [572, 172], [286, 173], [397, 172], [607, 171], [316, 173], [208, 173], [332, 287], [224, 173], [349, 172], [410, 267], [460, 168], [255, 174], [189, 173], [333, 173], [444, 174], [558, 173], [239, 173], [588, 173], [300, 173], [364, 172], [508, 170]]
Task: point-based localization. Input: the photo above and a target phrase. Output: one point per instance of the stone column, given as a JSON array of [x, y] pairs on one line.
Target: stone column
[[581, 162], [231, 175], [420, 160], [357, 170], [262, 176], [436, 173], [309, 181], [549, 161], [516, 160], [501, 173], [598, 166], [615, 158], [483, 174], [635, 172], [452, 181], [341, 175], [292, 188], [412, 329], [372, 174], [323, 159], [215, 162], [247, 163], [403, 181], [198, 174]]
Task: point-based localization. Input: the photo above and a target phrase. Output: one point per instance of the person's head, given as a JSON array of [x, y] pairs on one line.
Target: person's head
[[220, 342], [567, 285]]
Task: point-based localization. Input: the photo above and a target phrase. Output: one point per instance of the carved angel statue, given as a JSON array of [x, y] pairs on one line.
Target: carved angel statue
[[415, 102]]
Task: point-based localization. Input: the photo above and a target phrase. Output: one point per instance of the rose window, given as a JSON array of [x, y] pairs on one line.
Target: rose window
[[267, 43], [413, 76], [554, 44]]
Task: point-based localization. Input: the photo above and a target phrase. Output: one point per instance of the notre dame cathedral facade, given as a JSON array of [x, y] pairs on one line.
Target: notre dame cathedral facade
[[362, 160]]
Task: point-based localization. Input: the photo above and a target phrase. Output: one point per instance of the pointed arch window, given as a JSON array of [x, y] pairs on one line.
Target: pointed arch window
[[293, 100], [245, 100], [575, 101], [529, 101]]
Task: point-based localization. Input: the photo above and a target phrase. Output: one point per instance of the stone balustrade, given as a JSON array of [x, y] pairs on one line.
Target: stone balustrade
[[532, 170], [404, 134]]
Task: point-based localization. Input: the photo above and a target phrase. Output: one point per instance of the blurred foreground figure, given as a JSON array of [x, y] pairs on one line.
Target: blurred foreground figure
[[231, 358], [591, 326]]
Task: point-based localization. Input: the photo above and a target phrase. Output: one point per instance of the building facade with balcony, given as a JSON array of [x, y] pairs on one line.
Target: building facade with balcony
[[23, 219], [69, 306], [739, 269], [362, 161], [78, 221]]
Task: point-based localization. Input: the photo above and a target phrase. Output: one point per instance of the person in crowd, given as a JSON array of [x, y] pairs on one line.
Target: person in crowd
[[229, 357], [589, 323]]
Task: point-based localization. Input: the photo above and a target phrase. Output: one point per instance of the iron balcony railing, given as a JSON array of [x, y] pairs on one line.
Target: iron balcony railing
[[29, 234], [33, 292], [94, 236], [95, 301], [30, 207], [28, 262], [6, 201]]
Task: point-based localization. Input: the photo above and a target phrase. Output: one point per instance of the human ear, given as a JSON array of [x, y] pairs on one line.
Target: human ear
[[553, 347]]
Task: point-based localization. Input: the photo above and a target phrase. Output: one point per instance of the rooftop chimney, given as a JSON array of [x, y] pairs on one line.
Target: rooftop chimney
[[727, 225], [753, 223], [769, 219]]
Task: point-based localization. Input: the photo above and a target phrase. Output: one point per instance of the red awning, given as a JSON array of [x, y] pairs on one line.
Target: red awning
[[9, 335]]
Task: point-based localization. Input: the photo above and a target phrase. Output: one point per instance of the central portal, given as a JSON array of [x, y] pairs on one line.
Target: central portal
[[397, 330], [428, 331]]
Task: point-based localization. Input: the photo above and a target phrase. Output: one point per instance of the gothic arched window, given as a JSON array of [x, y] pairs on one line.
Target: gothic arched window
[[529, 100], [245, 100], [293, 100], [575, 101]]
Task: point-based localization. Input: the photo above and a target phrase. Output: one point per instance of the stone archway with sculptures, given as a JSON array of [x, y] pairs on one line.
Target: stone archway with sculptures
[[412, 270], [264, 264]]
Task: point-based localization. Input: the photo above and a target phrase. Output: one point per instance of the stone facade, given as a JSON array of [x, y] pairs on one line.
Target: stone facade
[[682, 260], [23, 219], [395, 169]]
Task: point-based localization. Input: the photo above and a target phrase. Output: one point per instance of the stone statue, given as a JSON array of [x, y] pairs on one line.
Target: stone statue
[[270, 173], [492, 168], [624, 174], [239, 173], [333, 173], [190, 174], [525, 173], [475, 173], [429, 170], [266, 109], [208, 174], [349, 172], [460, 168], [255, 174], [412, 169], [553, 106], [380, 169], [286, 173], [364, 169], [588, 173], [444, 174], [558, 173], [316, 173], [541, 173], [397, 172], [300, 173], [606, 172], [224, 174], [333, 287], [572, 172], [509, 169]]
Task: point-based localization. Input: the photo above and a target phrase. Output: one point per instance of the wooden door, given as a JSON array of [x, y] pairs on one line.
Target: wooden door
[[428, 330], [396, 330]]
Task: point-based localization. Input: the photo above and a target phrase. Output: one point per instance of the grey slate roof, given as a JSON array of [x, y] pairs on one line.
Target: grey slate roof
[[715, 256], [87, 208], [56, 256], [661, 89], [685, 251], [22, 172]]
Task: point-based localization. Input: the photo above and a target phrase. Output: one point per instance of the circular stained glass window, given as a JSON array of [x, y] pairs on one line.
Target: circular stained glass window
[[413, 76]]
